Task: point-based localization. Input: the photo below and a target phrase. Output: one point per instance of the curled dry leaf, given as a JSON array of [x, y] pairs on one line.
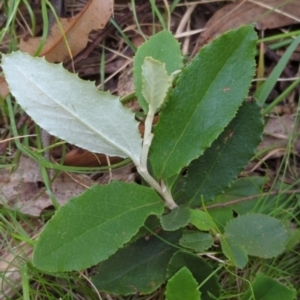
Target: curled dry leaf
[[246, 12], [278, 134], [94, 16]]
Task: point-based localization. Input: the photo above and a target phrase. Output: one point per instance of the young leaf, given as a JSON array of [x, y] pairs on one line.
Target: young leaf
[[267, 288], [156, 82], [197, 241], [182, 286], [260, 235], [206, 98], [162, 47], [177, 218], [200, 269], [93, 226], [140, 266], [220, 164], [71, 108]]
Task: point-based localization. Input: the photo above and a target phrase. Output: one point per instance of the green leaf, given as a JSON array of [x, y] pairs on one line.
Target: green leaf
[[260, 235], [93, 226], [234, 252], [200, 269], [210, 174], [267, 288], [261, 203], [156, 82], [293, 238], [197, 241], [71, 108], [162, 47], [202, 220], [182, 286], [177, 218], [206, 98], [140, 266], [221, 216], [242, 188]]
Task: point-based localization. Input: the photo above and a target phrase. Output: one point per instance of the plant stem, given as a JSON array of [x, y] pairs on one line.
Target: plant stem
[[148, 136], [142, 167]]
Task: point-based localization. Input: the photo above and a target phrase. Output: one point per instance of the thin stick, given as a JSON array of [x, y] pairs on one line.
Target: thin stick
[[253, 197]]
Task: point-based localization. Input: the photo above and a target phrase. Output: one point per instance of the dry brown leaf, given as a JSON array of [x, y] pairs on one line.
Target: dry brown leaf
[[4, 90], [277, 134], [24, 189], [245, 12], [94, 15], [83, 158]]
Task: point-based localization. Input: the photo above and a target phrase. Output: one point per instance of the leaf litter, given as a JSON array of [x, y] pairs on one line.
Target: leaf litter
[[247, 12], [24, 190], [94, 16]]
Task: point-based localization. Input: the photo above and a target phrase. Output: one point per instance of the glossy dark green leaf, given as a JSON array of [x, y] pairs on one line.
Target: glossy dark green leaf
[[94, 225], [220, 164], [207, 96], [139, 267]]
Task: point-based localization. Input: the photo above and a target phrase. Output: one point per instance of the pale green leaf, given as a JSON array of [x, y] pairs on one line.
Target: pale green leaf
[[197, 241], [220, 164], [200, 269], [260, 235], [205, 99], [71, 108], [93, 226], [177, 218], [182, 286], [267, 288], [140, 266], [201, 220], [156, 82], [162, 47]]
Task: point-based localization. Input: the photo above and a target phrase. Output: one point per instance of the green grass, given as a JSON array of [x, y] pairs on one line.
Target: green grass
[[16, 229]]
